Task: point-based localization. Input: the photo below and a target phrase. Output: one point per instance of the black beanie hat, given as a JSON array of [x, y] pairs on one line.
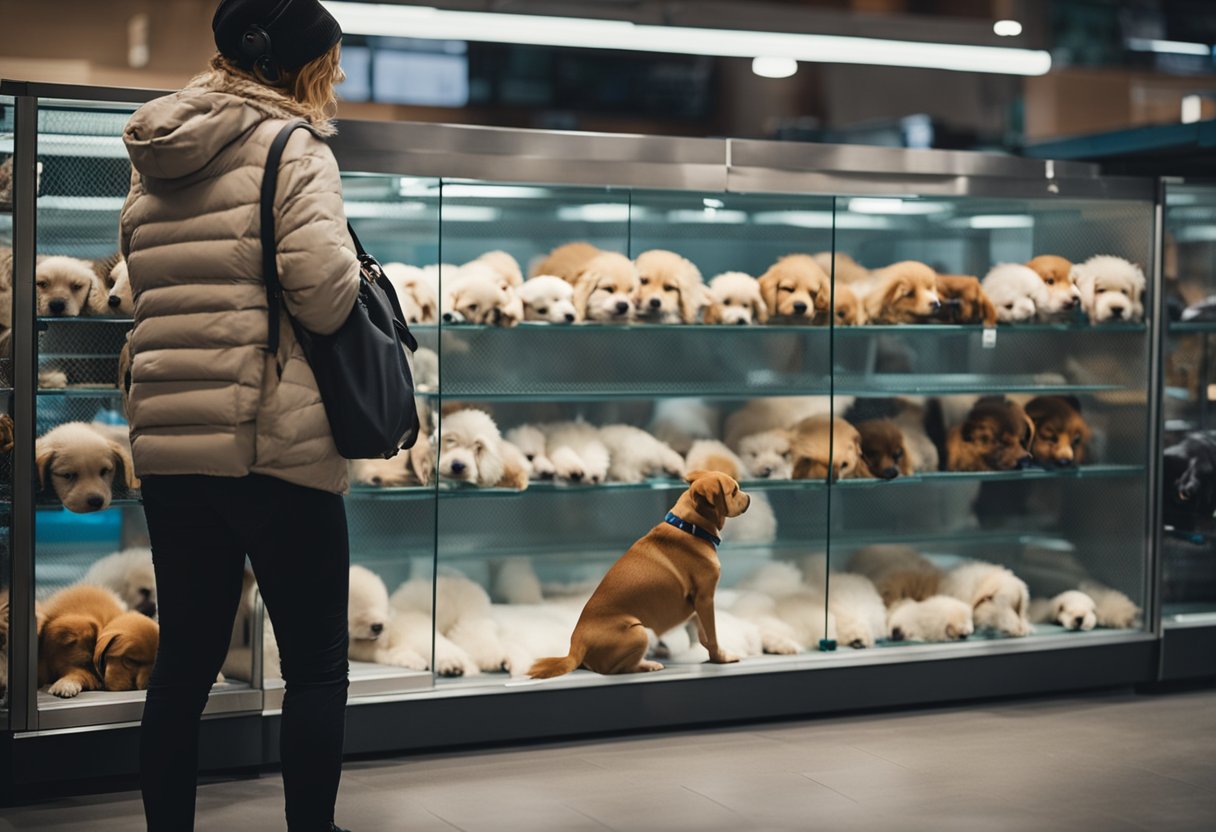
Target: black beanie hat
[[300, 31]]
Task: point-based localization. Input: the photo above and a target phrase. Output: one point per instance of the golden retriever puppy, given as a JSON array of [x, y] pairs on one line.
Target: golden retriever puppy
[[566, 261], [1061, 433], [883, 449], [823, 448], [506, 266], [414, 467], [130, 575], [735, 299], [902, 293], [68, 288], [477, 294], [605, 288], [416, 293], [1062, 296], [73, 620], [999, 599], [847, 306], [471, 450], [766, 454], [126, 651], [1112, 289], [963, 300], [712, 455], [1072, 610], [120, 301], [548, 298], [670, 289], [899, 572], [995, 437], [80, 464], [841, 267], [796, 289], [936, 618], [777, 412]]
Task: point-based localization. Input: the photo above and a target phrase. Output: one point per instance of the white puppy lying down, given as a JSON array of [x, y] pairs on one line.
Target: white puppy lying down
[[861, 618], [547, 298], [532, 443], [577, 453], [1112, 289], [636, 455], [466, 638], [792, 616], [1016, 291], [735, 299], [1072, 610], [937, 618], [1112, 608], [471, 450], [766, 455], [999, 599]]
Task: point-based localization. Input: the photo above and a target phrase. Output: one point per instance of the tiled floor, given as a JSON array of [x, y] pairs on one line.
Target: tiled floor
[[1098, 763]]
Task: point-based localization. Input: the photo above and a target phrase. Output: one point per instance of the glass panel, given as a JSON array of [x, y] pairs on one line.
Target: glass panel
[[1189, 542], [6, 392]]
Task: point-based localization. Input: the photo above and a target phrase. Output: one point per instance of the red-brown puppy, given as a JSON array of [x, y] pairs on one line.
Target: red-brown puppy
[[964, 301], [796, 289], [823, 448], [883, 448], [1060, 432], [73, 619], [664, 579], [126, 651], [1062, 294], [995, 437]]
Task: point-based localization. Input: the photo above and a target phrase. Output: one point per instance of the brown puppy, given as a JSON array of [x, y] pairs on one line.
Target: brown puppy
[[964, 301], [1060, 431], [79, 464], [670, 290], [604, 289], [73, 619], [567, 261], [841, 267], [1063, 296], [849, 309], [67, 288], [883, 449], [6, 433], [819, 444], [902, 293], [126, 651], [796, 289], [664, 579], [995, 437]]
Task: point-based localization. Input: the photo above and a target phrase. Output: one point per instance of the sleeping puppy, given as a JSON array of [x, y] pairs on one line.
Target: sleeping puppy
[[532, 443], [712, 455], [604, 289], [415, 293], [408, 468], [505, 265], [367, 616], [849, 310], [1112, 608], [963, 300], [636, 455], [883, 449], [577, 452], [995, 437], [480, 295], [1060, 432], [899, 572], [73, 620], [823, 448], [68, 288], [471, 450], [120, 301], [548, 298], [80, 464], [795, 289], [1016, 291], [766, 455], [670, 289], [736, 299], [841, 267], [1112, 289], [126, 651], [999, 599], [1063, 296], [130, 575], [936, 618], [902, 293], [667, 577], [1072, 610], [566, 261]]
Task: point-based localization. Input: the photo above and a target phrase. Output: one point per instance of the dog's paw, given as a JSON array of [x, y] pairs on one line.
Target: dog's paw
[[452, 667], [723, 657], [402, 657], [66, 688], [624, 473], [647, 666], [780, 646]]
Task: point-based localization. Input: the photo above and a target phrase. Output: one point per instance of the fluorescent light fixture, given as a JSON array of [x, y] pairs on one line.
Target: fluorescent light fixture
[[1173, 47], [707, 216], [539, 30], [359, 210], [469, 213], [1007, 28], [492, 192], [774, 67], [1192, 109], [1000, 221], [821, 219], [884, 205], [595, 212], [710, 202]]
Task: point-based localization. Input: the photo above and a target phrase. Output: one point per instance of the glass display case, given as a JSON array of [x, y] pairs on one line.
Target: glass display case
[[6, 392]]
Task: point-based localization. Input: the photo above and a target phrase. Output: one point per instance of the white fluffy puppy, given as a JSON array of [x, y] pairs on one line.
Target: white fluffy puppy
[[766, 455], [735, 299], [1112, 289], [577, 452], [505, 265], [416, 292], [680, 422], [529, 631], [514, 581], [472, 450], [937, 618], [999, 599], [367, 616], [548, 298], [1016, 291], [788, 611], [462, 617], [736, 635], [532, 443], [861, 618], [1111, 607], [636, 455], [479, 294], [1072, 610], [130, 575]]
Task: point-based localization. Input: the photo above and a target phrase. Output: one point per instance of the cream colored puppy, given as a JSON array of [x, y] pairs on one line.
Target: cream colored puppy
[[861, 617], [604, 289], [80, 465], [532, 443], [471, 450], [796, 290], [800, 608], [578, 454], [842, 267], [636, 455], [999, 599], [68, 288], [766, 455], [130, 575], [367, 615], [416, 292], [1111, 607], [462, 616], [1016, 291], [778, 412], [670, 289], [936, 618], [1072, 610], [505, 265], [478, 294], [548, 298], [735, 298], [566, 261], [1112, 289], [120, 302]]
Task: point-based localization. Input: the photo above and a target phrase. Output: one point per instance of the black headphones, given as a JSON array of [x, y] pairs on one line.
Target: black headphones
[[257, 49]]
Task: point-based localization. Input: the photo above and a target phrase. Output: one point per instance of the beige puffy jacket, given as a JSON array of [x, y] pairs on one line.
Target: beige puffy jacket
[[204, 396]]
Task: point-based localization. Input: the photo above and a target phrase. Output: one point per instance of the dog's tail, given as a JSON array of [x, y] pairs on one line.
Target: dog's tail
[[557, 665]]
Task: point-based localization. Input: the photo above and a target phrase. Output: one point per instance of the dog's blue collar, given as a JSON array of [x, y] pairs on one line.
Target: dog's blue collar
[[694, 530]]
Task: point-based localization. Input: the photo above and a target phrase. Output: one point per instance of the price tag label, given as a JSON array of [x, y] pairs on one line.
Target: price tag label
[[989, 341]]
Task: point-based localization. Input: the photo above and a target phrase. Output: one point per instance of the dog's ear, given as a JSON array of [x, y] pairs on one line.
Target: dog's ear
[[710, 496], [123, 466], [768, 289], [713, 312], [951, 630], [759, 310], [422, 461], [692, 295], [43, 460], [490, 467], [584, 285], [427, 311], [983, 599], [105, 641], [804, 466]]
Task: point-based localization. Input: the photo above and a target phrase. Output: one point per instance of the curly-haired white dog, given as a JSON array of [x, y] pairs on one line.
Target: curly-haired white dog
[[577, 452], [1016, 291], [636, 455], [1112, 289], [735, 298], [466, 637], [471, 450], [766, 455], [532, 443], [548, 298]]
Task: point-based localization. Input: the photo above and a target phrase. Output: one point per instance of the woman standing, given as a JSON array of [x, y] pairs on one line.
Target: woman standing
[[232, 443]]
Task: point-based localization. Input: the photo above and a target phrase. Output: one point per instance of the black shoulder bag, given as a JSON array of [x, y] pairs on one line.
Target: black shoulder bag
[[364, 370]]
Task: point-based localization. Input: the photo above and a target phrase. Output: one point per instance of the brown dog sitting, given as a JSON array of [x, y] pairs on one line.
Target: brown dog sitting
[[73, 619], [820, 445], [963, 300], [664, 579], [1060, 431], [883, 449], [126, 651], [995, 437]]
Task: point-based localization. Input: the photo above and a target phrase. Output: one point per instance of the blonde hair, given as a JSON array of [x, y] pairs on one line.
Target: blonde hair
[[312, 85]]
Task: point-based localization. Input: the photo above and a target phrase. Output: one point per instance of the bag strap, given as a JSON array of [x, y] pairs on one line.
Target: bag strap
[[270, 265]]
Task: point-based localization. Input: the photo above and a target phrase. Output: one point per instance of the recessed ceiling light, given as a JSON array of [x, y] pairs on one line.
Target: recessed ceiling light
[[1007, 28]]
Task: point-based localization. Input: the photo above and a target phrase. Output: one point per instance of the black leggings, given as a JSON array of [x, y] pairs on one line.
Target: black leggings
[[201, 530]]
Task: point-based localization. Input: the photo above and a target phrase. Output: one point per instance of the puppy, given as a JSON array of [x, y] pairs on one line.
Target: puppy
[[823, 448], [848, 308], [1016, 291], [735, 298], [130, 575], [125, 651], [936, 618], [6, 180], [578, 454], [479, 295], [793, 616], [1063, 297], [861, 616], [604, 289], [680, 422], [995, 437], [367, 615], [505, 265], [414, 467], [766, 455], [964, 301], [1060, 432], [777, 412], [120, 300], [1112, 289], [999, 599], [466, 637], [416, 293], [471, 450], [566, 261], [659, 583], [712, 455], [902, 293], [68, 288], [670, 289], [532, 443], [1072, 610], [636, 455], [80, 465], [73, 620], [898, 572], [841, 267], [796, 289], [883, 449], [1112, 608], [548, 298]]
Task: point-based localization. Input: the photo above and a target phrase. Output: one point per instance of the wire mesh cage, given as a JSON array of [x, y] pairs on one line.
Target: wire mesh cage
[[80, 353]]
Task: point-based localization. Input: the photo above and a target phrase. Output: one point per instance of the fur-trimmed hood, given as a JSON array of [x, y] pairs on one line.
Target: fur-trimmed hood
[[178, 135]]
